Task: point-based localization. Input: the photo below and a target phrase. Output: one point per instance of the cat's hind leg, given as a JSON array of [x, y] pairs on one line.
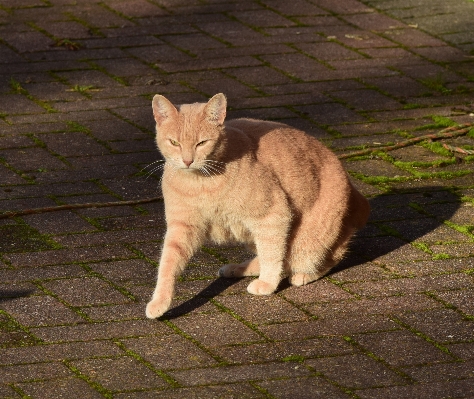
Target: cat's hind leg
[[299, 279], [247, 268]]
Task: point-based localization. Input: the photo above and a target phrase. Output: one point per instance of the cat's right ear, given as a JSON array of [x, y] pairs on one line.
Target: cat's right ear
[[163, 109], [215, 109]]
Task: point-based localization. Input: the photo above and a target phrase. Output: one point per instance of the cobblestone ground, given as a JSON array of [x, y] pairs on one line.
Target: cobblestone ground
[[395, 320]]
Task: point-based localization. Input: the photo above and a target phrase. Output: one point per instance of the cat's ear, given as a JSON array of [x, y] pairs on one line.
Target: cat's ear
[[215, 109], [163, 109]]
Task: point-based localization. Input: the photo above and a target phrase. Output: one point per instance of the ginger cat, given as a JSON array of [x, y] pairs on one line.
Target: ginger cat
[[264, 184]]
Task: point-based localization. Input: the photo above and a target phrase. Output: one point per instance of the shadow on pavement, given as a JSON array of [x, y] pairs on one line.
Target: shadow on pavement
[[9, 295], [396, 218]]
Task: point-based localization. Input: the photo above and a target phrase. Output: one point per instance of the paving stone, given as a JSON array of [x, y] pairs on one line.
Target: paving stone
[[329, 325], [392, 305], [463, 351], [367, 100], [314, 387], [389, 250], [238, 373], [40, 311], [167, 352], [58, 352], [442, 325], [136, 8], [262, 310], [83, 292], [70, 387], [32, 159], [432, 267], [440, 372], [135, 271], [360, 371], [320, 291], [31, 372], [8, 392], [60, 256], [392, 320], [326, 114], [405, 349], [117, 374], [41, 273], [401, 286], [285, 351], [377, 168], [69, 222], [462, 299], [436, 390], [217, 329], [100, 331], [227, 391]]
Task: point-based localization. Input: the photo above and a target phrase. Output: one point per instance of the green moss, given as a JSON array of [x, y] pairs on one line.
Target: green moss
[[437, 83], [439, 122], [12, 334], [77, 127], [98, 387], [375, 180], [215, 254], [441, 256], [16, 87], [441, 175], [442, 121], [22, 238], [411, 106], [293, 358], [424, 247], [437, 148], [464, 229], [389, 230]]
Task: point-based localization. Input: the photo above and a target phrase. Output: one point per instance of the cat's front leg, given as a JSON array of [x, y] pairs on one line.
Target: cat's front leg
[[181, 241], [271, 241]]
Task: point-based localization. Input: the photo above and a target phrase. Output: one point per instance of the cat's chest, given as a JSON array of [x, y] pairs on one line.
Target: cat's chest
[[227, 226]]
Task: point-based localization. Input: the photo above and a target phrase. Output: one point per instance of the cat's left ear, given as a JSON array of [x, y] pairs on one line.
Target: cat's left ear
[[215, 109]]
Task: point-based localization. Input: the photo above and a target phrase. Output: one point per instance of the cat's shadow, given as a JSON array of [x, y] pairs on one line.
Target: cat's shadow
[[397, 219], [9, 295]]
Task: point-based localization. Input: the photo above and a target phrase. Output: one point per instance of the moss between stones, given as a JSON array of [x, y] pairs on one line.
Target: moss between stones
[[22, 238]]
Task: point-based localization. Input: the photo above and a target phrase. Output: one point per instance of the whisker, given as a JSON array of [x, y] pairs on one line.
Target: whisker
[[214, 162], [215, 169], [159, 160], [154, 170], [205, 171]]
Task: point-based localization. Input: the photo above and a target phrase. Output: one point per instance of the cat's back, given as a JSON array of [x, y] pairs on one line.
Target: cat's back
[[301, 163], [283, 146]]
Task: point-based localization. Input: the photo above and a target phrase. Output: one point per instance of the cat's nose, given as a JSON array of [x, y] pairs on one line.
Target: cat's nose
[[187, 162]]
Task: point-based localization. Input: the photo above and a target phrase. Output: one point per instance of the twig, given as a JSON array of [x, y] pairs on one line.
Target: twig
[[449, 132], [458, 149], [453, 131], [77, 206]]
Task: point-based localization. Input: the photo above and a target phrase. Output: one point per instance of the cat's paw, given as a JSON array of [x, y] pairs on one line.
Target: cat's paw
[[300, 279], [156, 308], [245, 269], [259, 287]]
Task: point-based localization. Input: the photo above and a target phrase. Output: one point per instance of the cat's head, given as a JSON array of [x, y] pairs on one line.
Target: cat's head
[[190, 134]]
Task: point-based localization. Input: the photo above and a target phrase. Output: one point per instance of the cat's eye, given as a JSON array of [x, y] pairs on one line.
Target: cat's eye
[[201, 143], [175, 143]]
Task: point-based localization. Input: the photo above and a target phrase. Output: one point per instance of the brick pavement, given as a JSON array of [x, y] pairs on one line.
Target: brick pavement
[[395, 320]]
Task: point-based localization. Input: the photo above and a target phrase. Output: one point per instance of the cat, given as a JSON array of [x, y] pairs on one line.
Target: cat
[[264, 184]]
